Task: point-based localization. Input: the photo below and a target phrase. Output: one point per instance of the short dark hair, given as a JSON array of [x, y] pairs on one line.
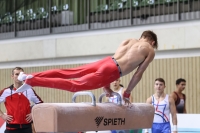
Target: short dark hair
[[161, 80], [16, 68], [178, 81], [150, 35]]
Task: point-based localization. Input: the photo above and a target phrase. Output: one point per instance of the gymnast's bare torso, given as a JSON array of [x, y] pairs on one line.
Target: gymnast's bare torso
[[132, 53]]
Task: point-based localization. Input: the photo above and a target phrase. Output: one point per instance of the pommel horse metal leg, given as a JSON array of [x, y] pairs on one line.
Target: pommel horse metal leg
[[76, 117]]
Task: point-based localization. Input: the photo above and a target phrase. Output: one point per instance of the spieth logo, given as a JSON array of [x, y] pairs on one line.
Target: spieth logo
[[98, 121], [109, 121]]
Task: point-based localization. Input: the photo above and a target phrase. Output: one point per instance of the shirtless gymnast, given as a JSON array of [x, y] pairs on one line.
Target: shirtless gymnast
[[131, 54]]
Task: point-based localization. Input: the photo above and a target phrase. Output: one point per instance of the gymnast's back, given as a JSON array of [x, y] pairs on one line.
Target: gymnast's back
[[132, 52]]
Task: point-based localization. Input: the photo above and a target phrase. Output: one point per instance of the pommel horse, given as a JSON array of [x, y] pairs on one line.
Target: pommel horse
[[77, 117]]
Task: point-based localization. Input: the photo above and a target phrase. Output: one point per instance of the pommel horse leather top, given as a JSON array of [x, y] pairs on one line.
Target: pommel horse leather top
[[76, 117]]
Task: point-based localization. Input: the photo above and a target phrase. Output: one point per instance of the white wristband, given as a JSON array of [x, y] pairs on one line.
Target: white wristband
[[146, 130], [174, 128]]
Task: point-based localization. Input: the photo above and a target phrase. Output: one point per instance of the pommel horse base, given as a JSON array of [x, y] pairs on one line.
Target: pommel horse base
[[77, 117]]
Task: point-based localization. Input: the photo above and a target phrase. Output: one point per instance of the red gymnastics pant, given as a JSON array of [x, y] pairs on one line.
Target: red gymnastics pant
[[87, 77]]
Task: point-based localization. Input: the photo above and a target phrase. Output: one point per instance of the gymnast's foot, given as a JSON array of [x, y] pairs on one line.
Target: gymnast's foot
[[22, 76], [23, 88]]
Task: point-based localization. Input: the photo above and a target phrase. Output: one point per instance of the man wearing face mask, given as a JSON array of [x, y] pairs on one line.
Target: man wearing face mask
[[180, 97]]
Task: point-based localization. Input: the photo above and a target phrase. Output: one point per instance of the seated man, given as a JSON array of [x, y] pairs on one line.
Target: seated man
[[131, 54]]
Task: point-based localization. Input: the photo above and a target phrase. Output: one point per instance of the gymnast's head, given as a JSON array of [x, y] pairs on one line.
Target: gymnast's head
[[159, 84], [150, 37]]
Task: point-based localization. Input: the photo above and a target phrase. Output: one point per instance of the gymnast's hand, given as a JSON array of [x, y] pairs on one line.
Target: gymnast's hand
[[127, 102], [127, 98], [108, 92]]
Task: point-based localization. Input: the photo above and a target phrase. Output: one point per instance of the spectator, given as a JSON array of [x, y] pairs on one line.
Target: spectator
[[164, 105], [119, 88], [179, 97], [18, 116]]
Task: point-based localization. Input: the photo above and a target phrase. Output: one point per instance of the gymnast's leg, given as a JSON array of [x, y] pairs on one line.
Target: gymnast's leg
[[66, 73], [106, 73]]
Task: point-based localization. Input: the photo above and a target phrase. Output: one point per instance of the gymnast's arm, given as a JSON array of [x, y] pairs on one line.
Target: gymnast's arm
[[35, 99], [4, 116], [185, 106], [174, 97], [173, 113], [185, 109], [149, 100], [138, 74], [130, 98]]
